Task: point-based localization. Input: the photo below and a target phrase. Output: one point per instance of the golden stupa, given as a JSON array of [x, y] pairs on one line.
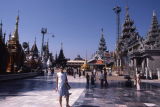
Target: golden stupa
[[85, 66]]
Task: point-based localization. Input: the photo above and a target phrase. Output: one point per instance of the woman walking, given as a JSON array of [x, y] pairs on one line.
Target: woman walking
[[92, 80], [63, 87], [87, 80], [138, 80], [105, 78], [101, 79]]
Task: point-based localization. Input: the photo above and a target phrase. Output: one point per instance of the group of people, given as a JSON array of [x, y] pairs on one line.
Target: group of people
[[90, 79], [74, 72], [63, 87]]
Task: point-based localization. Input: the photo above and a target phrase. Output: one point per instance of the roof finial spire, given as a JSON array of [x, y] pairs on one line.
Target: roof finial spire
[[10, 36], [1, 33], [61, 45], [48, 40], [102, 30], [48, 43], [17, 19], [15, 35], [35, 40], [1, 23], [154, 13], [4, 37], [127, 9]]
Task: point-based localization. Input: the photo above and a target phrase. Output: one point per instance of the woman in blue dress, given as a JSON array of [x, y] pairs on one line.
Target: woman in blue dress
[[62, 87]]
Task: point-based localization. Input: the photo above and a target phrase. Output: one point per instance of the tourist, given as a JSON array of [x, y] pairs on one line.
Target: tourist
[[101, 79], [105, 78], [74, 73], [79, 73], [83, 72], [62, 87], [92, 79], [95, 72], [87, 80], [128, 83], [138, 80]]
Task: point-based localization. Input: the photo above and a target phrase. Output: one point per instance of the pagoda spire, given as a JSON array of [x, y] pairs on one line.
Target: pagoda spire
[[35, 40], [154, 24], [128, 27], [10, 36], [4, 37], [34, 48], [61, 46], [1, 32], [127, 12], [154, 13], [102, 43], [15, 35], [153, 31], [48, 44]]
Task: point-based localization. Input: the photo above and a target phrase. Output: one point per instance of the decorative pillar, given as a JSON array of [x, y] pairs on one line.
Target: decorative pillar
[[150, 72], [118, 65], [135, 64], [120, 62], [146, 72], [158, 73], [147, 68], [142, 66]]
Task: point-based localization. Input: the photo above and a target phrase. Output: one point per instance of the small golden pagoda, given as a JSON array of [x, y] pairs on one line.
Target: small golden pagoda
[[85, 66], [16, 53]]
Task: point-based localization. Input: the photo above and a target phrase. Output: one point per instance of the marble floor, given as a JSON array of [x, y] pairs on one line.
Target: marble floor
[[117, 95], [37, 92], [40, 92]]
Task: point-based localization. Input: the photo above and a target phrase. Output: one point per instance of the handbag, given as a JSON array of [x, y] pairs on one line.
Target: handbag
[[68, 86]]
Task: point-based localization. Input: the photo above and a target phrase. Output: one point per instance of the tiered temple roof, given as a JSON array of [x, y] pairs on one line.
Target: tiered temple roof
[[153, 36], [34, 48], [102, 44], [129, 34]]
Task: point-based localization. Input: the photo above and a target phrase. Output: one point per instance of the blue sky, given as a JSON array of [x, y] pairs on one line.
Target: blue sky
[[76, 23]]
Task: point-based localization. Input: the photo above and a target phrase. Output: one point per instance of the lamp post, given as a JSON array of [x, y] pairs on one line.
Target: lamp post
[[53, 42], [117, 10], [43, 31]]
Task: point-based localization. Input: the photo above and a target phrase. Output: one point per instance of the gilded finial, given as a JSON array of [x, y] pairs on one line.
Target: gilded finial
[[17, 18]]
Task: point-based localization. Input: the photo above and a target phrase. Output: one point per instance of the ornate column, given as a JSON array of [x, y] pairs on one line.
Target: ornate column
[[135, 64], [146, 72], [158, 73], [142, 66], [148, 69]]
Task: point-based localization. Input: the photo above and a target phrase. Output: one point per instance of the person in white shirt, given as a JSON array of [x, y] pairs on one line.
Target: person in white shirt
[[94, 71], [62, 88], [138, 80], [101, 79]]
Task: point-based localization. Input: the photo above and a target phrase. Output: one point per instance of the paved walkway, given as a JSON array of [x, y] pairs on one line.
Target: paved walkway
[[37, 92], [40, 92], [117, 95]]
